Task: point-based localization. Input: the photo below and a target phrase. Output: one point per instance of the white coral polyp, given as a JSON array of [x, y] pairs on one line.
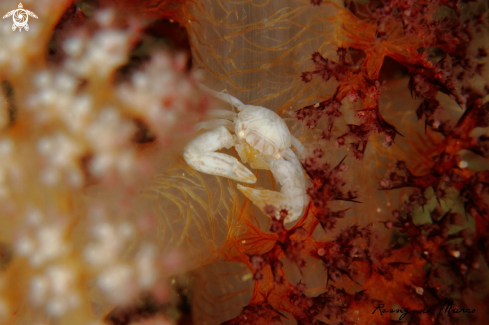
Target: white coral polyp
[[109, 241], [45, 244], [145, 266], [117, 283], [160, 94], [98, 56], [107, 51], [74, 46], [54, 290]]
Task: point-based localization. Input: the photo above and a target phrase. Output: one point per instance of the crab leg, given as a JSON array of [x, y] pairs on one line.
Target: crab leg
[[223, 96], [222, 113], [292, 196], [301, 150], [200, 155], [290, 156], [221, 117], [212, 124]]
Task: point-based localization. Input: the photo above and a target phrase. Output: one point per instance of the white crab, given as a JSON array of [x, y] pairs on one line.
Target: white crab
[[262, 139]]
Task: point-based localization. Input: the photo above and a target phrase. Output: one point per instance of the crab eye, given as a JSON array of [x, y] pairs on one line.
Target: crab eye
[[278, 156], [241, 134]]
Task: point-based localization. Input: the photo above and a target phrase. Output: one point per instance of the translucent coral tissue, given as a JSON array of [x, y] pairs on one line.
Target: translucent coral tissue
[[70, 168]]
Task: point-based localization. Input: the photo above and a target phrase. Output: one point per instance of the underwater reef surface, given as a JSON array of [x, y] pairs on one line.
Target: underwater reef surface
[[103, 222]]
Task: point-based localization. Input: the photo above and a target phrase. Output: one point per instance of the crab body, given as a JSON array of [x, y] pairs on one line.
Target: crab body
[[263, 130]]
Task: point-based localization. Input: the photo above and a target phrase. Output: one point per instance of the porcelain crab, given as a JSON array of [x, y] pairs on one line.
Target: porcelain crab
[[261, 138]]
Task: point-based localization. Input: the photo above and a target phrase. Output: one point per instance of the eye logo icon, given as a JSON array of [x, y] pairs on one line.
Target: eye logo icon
[[20, 17]]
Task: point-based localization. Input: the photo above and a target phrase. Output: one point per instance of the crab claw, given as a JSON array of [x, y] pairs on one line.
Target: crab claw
[[241, 173], [200, 154], [292, 196]]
